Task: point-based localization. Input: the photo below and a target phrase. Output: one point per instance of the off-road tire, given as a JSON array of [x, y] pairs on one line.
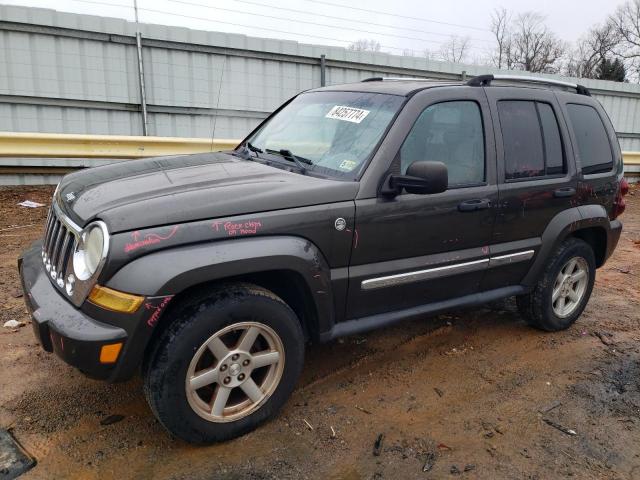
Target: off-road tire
[[192, 323], [537, 308]]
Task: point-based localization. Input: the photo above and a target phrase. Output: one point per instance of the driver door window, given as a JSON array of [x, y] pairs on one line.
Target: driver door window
[[452, 133]]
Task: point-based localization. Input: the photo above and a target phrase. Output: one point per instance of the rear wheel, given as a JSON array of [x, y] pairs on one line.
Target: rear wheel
[[227, 363], [563, 290]]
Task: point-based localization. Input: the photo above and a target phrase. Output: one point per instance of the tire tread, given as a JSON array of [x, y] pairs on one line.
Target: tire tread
[[156, 362], [532, 306]]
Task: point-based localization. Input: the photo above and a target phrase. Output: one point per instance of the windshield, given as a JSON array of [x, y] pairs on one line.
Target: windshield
[[335, 131]]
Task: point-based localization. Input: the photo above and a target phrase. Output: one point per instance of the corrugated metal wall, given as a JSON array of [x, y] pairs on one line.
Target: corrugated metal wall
[[68, 73]]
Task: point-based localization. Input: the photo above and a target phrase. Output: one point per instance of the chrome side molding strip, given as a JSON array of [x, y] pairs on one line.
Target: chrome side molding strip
[[410, 277], [510, 258], [431, 273]]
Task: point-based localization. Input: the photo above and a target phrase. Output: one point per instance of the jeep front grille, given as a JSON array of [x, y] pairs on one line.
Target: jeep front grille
[[60, 240]]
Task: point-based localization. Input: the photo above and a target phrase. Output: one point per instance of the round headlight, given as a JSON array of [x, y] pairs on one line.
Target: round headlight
[[89, 252], [93, 244]]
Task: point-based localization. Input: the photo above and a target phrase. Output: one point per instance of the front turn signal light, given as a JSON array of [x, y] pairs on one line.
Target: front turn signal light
[[114, 300], [109, 353]]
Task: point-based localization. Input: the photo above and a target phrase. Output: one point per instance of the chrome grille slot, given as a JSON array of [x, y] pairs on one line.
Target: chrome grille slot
[[55, 248], [63, 259], [48, 232], [52, 241]]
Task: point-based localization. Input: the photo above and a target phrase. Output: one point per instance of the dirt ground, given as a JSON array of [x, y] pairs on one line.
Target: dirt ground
[[472, 394]]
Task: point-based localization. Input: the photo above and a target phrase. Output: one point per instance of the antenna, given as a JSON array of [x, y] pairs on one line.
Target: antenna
[[215, 115]]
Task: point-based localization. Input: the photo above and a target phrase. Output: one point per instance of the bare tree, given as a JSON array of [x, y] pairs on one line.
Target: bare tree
[[626, 23], [455, 49], [591, 50], [500, 26], [365, 45], [534, 47], [525, 42]]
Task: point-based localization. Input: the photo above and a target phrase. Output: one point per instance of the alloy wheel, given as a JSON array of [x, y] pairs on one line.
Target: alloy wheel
[[235, 371], [570, 286]]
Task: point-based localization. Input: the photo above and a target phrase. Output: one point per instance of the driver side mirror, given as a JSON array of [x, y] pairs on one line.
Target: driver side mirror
[[422, 178]]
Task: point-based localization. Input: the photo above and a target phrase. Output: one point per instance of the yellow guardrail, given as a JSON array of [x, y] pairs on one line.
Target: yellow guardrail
[[631, 158], [20, 144], [27, 144]]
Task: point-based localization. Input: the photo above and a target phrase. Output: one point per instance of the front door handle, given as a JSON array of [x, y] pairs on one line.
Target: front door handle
[[475, 204], [564, 192]]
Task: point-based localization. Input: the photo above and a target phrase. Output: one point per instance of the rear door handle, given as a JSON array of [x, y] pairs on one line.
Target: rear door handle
[[475, 204], [564, 192]]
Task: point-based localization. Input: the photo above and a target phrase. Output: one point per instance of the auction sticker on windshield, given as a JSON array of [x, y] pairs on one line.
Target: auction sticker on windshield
[[348, 114], [347, 165]]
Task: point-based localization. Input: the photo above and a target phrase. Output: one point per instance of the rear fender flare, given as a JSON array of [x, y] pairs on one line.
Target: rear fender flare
[[562, 226]]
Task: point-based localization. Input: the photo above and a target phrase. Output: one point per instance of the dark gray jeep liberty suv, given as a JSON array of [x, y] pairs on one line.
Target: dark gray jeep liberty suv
[[350, 208]]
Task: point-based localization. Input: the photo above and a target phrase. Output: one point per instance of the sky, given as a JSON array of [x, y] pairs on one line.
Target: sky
[[401, 25]]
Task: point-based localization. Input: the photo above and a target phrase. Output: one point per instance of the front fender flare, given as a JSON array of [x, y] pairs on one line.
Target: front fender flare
[[171, 271]]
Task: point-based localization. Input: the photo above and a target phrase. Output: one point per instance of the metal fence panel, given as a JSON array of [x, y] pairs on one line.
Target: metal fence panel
[[69, 73]]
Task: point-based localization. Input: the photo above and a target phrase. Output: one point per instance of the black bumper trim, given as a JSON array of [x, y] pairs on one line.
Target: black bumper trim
[[613, 236], [60, 327]]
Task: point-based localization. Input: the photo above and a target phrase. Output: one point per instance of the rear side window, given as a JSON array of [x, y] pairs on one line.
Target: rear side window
[[593, 143], [531, 138]]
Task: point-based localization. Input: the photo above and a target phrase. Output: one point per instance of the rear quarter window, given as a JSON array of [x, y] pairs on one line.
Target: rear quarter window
[[591, 136]]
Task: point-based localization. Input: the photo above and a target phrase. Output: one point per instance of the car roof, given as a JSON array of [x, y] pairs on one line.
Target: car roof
[[403, 87]]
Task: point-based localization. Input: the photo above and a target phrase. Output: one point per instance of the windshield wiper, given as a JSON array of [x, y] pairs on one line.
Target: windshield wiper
[[253, 148], [286, 154], [297, 157], [247, 147]]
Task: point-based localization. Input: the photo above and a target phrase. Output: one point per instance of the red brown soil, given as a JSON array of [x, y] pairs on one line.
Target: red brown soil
[[469, 389]]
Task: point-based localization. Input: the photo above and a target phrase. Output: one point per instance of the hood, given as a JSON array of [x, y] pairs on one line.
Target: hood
[[138, 194]]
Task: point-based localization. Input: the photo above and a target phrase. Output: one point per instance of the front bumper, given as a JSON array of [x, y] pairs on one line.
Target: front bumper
[[60, 327]]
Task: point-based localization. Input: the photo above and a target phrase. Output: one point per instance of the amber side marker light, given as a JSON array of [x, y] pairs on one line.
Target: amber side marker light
[[109, 353], [114, 300]]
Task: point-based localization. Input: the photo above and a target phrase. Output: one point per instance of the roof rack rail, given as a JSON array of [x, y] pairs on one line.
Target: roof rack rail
[[397, 79], [485, 80]]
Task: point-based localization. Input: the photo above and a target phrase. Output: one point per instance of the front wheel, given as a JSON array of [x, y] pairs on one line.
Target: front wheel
[[563, 290], [227, 363]]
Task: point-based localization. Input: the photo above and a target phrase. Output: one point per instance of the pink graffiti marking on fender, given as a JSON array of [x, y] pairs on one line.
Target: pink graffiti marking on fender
[[156, 310], [149, 239], [232, 229]]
